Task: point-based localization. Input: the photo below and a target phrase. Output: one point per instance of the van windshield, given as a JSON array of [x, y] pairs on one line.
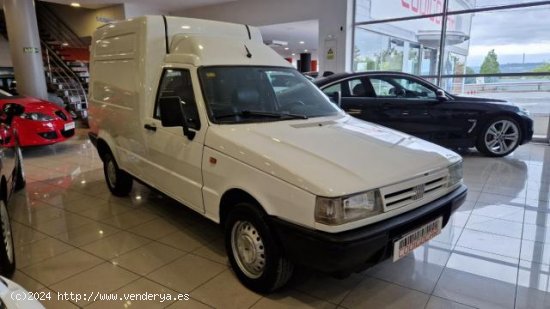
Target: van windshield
[[237, 94]]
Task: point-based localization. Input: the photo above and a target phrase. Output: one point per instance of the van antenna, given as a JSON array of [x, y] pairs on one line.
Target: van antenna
[[248, 30], [248, 54], [166, 34]]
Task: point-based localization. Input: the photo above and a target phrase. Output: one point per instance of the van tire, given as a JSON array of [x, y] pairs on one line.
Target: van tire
[[20, 181], [118, 181], [7, 249], [267, 269]]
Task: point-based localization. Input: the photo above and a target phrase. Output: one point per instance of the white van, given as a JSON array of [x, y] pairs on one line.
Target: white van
[[206, 113]]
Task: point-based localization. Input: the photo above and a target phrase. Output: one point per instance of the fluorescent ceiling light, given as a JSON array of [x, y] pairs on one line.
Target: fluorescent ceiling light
[[75, 4]]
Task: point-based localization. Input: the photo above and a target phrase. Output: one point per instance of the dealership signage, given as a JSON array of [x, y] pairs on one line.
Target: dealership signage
[[30, 50]]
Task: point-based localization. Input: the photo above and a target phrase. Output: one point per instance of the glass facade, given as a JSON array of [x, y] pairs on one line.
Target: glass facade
[[491, 48]]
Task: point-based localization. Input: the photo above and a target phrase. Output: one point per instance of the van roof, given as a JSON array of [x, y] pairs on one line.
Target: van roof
[[197, 41]]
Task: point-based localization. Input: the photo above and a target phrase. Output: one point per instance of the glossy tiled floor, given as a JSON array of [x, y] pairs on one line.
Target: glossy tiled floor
[[72, 235]]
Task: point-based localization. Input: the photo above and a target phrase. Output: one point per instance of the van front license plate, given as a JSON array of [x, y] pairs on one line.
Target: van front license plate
[[69, 126], [416, 238]]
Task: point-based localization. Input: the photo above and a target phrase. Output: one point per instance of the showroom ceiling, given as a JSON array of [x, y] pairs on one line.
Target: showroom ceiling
[[163, 5], [293, 33]]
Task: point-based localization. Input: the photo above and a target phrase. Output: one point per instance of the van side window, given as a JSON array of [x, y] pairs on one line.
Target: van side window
[[177, 83]]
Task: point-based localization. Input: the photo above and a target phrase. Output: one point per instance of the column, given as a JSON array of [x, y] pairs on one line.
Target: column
[[305, 62], [335, 36], [25, 47]]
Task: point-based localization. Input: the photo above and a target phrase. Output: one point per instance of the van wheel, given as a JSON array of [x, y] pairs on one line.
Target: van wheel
[[20, 172], [7, 254], [253, 251], [118, 181]]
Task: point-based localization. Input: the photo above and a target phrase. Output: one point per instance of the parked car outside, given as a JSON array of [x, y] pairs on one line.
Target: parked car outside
[[41, 123], [413, 105]]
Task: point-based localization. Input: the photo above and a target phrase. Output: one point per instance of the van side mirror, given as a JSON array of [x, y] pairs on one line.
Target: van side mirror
[[441, 96], [172, 114], [336, 98]]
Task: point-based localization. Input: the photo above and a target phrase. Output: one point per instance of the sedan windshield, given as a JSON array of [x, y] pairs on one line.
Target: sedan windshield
[[255, 94]]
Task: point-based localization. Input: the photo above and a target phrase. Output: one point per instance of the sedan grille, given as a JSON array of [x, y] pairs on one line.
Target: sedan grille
[[61, 115], [407, 192]]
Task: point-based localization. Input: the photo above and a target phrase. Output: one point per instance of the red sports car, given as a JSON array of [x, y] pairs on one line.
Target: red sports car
[[42, 122]]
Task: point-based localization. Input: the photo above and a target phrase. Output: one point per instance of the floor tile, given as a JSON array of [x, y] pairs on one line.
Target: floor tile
[[225, 291], [61, 267], [39, 251], [291, 299], [186, 273], [441, 303], [382, 294], [129, 219], [502, 245], [115, 245], [324, 286], [495, 226], [147, 258], [87, 233], [533, 285], [103, 278], [154, 229], [140, 290], [184, 240]]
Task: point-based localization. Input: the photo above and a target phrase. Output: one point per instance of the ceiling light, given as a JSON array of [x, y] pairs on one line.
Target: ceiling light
[[305, 50], [65, 44], [286, 48], [75, 4], [302, 42], [293, 54]]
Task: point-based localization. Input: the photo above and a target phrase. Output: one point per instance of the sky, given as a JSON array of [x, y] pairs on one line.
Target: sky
[[511, 33]]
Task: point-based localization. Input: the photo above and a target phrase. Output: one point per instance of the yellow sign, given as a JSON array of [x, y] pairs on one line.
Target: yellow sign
[[330, 54]]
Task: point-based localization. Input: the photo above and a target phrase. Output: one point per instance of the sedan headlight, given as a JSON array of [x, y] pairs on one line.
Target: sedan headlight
[[339, 210], [37, 116], [455, 174]]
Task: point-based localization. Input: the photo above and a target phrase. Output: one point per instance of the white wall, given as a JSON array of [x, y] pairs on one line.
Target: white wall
[[335, 22], [84, 21], [134, 10]]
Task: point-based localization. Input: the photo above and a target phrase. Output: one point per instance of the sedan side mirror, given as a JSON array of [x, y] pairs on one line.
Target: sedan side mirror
[[10, 110], [13, 109], [441, 95], [336, 98], [172, 114]]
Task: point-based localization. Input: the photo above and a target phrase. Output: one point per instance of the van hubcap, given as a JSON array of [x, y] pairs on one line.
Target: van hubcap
[[248, 249], [6, 231], [111, 173], [501, 136]]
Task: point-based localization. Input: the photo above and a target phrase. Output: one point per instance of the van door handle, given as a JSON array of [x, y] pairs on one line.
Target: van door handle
[[150, 127]]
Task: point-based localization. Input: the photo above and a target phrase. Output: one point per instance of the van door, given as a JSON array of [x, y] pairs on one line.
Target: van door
[[173, 160]]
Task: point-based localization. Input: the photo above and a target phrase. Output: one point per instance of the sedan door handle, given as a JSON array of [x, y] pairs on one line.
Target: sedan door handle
[[150, 127], [354, 111]]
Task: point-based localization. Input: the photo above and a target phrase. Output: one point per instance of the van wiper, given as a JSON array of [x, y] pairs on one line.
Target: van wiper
[[249, 113]]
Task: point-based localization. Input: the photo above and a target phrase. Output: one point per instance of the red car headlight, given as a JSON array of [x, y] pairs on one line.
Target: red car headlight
[[37, 116]]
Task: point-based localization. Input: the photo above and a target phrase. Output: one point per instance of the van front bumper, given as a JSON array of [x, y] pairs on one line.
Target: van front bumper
[[355, 250]]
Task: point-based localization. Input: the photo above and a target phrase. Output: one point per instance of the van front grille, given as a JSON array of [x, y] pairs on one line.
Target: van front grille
[[408, 192]]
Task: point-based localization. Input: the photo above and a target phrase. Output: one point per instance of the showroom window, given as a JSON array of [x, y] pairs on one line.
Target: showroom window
[[485, 48]]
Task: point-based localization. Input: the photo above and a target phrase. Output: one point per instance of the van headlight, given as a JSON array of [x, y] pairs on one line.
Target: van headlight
[[339, 210], [455, 174]]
